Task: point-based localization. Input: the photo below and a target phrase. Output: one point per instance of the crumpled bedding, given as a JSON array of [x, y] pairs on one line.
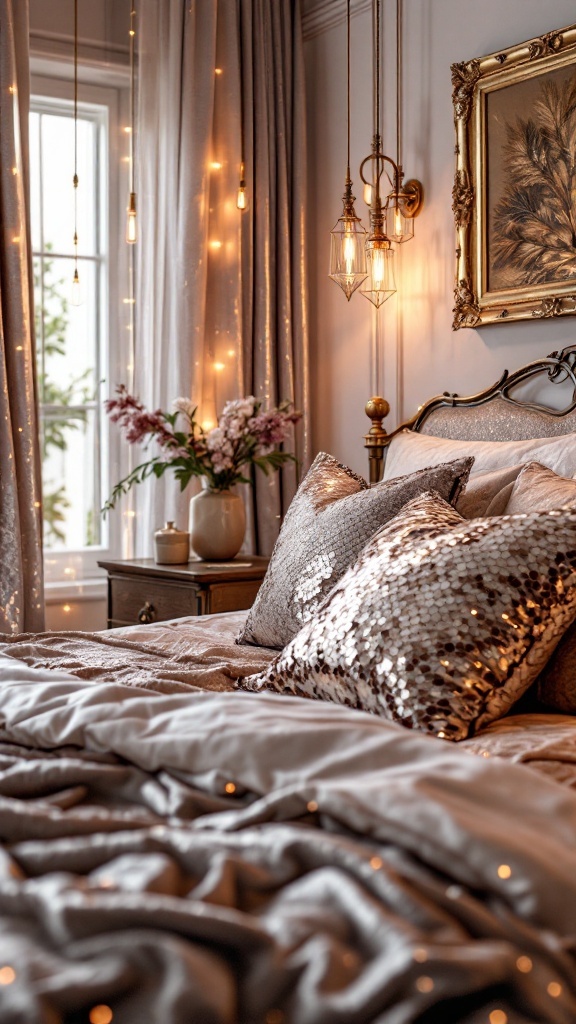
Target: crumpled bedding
[[191, 654], [259, 859], [168, 657]]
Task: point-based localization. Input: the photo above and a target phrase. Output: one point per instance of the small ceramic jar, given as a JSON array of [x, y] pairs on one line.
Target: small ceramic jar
[[171, 545]]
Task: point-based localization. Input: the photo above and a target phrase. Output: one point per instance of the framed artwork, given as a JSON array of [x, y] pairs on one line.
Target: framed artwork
[[514, 195]]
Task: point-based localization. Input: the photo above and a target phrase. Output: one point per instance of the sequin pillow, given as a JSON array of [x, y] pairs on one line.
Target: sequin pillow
[[442, 623], [333, 514]]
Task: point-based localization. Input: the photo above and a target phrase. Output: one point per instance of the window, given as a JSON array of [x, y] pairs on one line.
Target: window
[[79, 347]]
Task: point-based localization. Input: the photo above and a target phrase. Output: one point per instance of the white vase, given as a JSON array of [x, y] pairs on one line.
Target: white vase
[[217, 525]]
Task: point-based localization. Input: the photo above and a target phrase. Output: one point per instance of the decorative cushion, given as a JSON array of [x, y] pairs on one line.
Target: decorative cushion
[[537, 488], [557, 683], [410, 451], [333, 514], [442, 623], [487, 493]]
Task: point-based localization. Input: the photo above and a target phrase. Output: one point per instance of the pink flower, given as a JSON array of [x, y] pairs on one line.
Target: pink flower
[[244, 435]]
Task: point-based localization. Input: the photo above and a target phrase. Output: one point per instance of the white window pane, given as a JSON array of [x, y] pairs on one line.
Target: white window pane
[[70, 472], [69, 360], [35, 181], [57, 161]]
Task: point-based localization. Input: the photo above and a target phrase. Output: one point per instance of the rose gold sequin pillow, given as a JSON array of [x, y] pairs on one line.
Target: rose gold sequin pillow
[[328, 523], [442, 623]]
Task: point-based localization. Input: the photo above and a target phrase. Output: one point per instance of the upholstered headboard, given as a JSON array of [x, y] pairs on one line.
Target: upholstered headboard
[[499, 413]]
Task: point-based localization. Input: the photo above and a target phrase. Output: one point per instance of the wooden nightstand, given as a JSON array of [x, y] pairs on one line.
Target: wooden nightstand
[[139, 590]]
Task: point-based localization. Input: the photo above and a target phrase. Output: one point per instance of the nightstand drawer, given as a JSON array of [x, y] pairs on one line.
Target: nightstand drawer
[[231, 597], [141, 590], [135, 600]]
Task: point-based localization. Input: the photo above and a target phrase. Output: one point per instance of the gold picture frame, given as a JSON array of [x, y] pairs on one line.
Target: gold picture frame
[[514, 196]]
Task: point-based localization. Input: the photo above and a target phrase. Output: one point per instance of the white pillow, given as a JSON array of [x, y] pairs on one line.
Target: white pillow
[[410, 451]]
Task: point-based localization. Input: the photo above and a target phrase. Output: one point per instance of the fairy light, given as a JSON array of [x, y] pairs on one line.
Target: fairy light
[[100, 1014], [131, 225]]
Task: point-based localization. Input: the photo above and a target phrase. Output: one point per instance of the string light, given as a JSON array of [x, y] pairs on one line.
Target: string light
[[131, 225]]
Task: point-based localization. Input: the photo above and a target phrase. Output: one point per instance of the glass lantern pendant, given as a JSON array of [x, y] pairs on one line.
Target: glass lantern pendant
[[380, 283], [348, 237], [399, 227], [347, 248]]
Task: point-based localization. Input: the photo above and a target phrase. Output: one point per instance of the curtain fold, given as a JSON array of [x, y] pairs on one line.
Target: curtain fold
[[21, 570], [221, 294]]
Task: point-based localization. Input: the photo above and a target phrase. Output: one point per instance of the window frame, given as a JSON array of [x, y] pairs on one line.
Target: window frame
[[48, 90]]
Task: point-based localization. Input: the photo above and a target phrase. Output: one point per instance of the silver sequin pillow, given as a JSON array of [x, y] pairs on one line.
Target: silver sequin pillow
[[442, 623], [328, 523]]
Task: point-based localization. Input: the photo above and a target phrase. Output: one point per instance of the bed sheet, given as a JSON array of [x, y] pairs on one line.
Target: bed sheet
[[256, 859]]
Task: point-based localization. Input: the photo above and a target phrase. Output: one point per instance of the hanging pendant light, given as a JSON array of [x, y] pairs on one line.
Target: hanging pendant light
[[131, 221], [380, 283], [76, 291], [242, 194], [348, 237]]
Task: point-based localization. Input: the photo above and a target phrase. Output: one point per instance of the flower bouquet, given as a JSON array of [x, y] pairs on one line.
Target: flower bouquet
[[245, 436]]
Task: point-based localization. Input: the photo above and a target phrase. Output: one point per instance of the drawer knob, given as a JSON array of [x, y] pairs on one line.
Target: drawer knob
[[147, 613]]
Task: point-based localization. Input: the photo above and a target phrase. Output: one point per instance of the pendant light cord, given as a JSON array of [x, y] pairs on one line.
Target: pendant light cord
[[377, 125], [399, 82], [75, 179], [241, 74], [348, 86], [132, 94]]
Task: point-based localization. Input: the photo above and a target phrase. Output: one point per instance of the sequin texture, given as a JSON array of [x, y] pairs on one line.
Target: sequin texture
[[442, 623], [332, 516]]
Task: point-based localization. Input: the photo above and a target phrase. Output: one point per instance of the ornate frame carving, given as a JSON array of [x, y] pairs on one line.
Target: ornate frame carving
[[472, 80]]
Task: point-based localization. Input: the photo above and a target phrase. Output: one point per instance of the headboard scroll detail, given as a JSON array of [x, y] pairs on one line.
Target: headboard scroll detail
[[455, 419]]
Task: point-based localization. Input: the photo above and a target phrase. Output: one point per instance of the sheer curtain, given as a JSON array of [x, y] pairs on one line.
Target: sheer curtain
[[221, 294], [21, 572]]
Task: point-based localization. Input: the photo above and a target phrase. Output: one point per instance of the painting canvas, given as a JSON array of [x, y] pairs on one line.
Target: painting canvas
[[515, 185]]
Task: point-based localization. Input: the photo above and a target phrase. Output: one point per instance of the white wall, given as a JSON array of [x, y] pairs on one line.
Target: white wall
[[422, 356], [102, 29]]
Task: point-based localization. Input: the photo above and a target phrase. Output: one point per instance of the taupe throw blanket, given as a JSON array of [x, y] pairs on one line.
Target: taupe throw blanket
[[168, 657], [242, 858]]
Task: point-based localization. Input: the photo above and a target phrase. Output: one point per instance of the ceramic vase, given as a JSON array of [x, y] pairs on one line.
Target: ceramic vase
[[217, 525]]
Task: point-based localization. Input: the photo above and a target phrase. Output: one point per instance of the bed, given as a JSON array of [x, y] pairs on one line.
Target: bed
[[177, 850]]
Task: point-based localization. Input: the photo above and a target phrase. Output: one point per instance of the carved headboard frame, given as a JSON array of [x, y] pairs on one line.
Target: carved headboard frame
[[556, 368]]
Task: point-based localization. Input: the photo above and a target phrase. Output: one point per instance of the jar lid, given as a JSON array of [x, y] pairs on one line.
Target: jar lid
[[170, 530]]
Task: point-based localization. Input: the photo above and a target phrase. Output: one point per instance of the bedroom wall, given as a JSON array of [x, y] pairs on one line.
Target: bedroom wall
[[421, 354], [102, 29]]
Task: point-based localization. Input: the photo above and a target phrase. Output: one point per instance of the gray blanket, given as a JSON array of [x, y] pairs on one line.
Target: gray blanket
[[257, 859]]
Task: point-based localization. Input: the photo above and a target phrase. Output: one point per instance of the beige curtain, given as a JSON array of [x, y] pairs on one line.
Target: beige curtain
[[21, 574], [221, 294]]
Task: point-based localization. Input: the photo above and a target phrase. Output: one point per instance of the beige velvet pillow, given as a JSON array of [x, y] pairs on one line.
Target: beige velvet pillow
[[333, 514], [487, 493], [537, 487], [409, 451], [557, 683]]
